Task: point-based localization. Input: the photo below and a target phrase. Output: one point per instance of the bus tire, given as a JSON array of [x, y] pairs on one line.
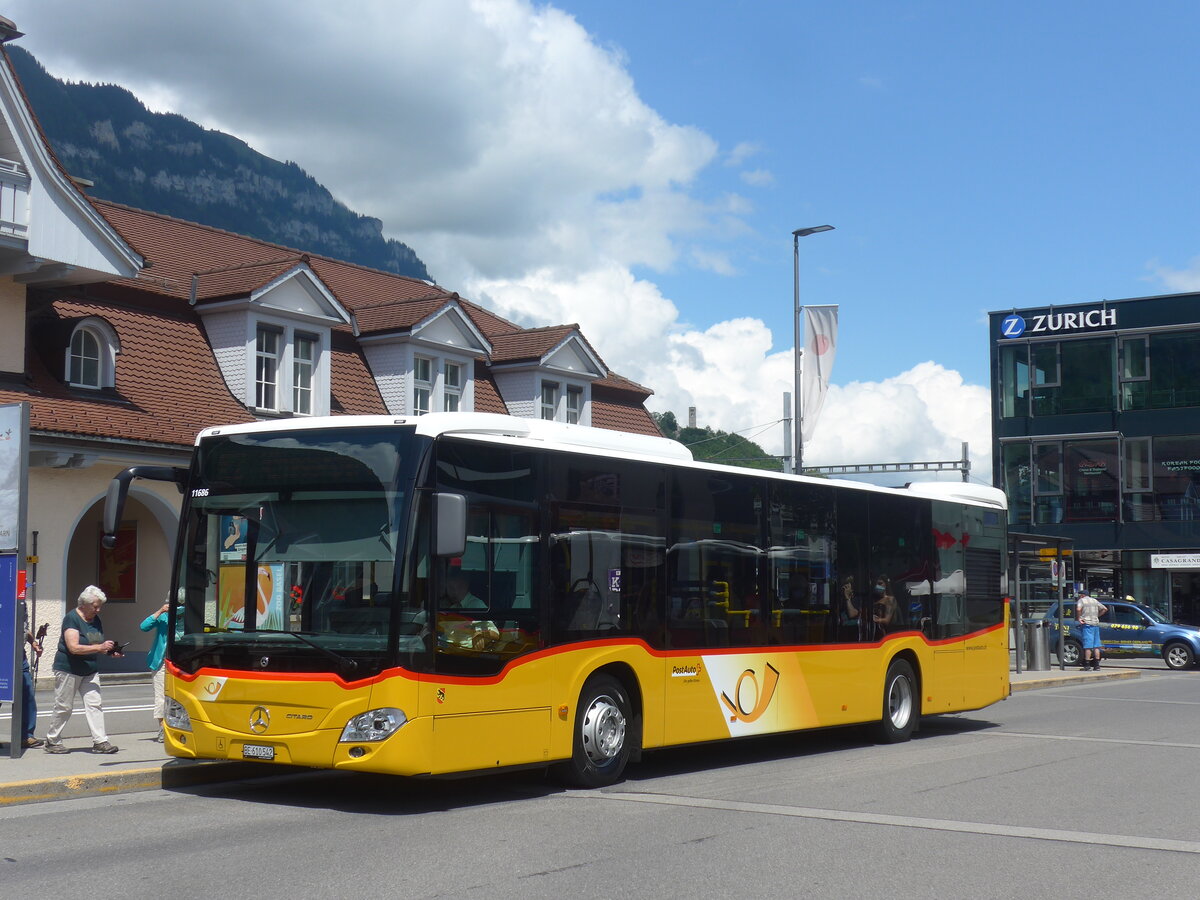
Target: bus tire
[[900, 703], [601, 742]]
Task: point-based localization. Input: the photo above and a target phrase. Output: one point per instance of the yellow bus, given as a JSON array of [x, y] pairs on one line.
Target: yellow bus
[[460, 593]]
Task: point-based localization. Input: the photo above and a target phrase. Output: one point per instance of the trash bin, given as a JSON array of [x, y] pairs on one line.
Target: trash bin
[[1037, 646]]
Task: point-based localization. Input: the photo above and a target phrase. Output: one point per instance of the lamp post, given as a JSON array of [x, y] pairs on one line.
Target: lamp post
[[796, 235]]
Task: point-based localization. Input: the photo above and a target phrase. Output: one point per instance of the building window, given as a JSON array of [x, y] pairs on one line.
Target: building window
[[1073, 377], [1138, 483], [1091, 480], [83, 359], [1177, 477], [549, 400], [1048, 483], [266, 369], [1014, 380], [1018, 482], [1174, 370], [574, 405], [422, 385], [1135, 372], [304, 360], [451, 386]]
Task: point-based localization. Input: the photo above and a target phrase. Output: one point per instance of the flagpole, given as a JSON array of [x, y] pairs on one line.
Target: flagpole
[[798, 465]]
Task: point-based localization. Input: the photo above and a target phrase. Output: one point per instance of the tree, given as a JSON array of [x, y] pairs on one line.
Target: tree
[[717, 446]]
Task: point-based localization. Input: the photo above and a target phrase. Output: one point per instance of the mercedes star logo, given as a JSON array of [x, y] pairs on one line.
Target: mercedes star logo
[[260, 719]]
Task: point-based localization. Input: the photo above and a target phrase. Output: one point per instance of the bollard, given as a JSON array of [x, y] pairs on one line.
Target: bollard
[[1037, 646]]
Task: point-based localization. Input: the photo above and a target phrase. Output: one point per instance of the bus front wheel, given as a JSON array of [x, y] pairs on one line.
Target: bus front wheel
[[900, 703], [601, 740]]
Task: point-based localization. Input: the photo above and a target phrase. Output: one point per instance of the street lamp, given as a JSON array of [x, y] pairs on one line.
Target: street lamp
[[799, 420]]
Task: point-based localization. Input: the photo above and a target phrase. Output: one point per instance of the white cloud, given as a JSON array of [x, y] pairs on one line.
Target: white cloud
[[758, 178], [1178, 280], [513, 153], [741, 153]]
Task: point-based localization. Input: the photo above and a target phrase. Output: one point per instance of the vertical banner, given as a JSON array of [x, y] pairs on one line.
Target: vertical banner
[[820, 345]]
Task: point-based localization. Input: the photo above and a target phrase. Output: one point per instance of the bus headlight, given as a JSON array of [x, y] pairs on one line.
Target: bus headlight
[[373, 725], [177, 717]]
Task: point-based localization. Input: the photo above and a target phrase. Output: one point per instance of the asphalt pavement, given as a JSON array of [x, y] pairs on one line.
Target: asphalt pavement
[[142, 764]]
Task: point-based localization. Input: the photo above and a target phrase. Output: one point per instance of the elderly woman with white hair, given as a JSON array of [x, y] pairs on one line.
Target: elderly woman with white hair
[[77, 671]]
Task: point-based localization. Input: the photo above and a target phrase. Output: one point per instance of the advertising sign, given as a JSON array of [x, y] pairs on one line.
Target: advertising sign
[[12, 461], [1175, 560]]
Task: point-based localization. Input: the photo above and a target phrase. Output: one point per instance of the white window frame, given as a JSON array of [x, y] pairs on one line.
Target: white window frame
[[304, 371], [79, 357], [452, 388], [552, 391], [268, 358], [574, 410], [105, 359], [422, 385]]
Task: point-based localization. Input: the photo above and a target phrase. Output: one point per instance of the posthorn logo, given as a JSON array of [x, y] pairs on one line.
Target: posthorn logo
[[1012, 326]]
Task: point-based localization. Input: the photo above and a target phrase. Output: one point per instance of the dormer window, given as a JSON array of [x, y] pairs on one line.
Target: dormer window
[[91, 355]]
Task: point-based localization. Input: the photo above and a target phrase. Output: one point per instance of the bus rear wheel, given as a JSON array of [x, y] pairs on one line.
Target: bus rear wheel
[[900, 703], [601, 742]]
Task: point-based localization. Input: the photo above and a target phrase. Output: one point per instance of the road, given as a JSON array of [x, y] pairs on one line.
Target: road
[[1078, 791], [128, 709]]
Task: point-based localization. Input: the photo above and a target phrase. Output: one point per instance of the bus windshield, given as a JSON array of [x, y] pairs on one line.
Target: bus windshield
[[290, 547]]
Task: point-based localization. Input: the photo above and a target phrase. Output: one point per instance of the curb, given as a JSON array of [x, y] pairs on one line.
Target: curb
[[173, 774], [1081, 678]]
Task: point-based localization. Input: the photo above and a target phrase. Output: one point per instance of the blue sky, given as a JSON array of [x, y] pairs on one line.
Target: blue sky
[[639, 168], [972, 156]]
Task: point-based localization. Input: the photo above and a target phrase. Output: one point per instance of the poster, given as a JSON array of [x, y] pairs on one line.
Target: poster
[[116, 573], [268, 609], [233, 538]]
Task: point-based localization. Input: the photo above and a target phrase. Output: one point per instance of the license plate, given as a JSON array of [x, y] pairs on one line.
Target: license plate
[[258, 751]]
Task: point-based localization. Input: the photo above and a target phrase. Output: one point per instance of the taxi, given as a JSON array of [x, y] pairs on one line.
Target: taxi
[[1127, 630]]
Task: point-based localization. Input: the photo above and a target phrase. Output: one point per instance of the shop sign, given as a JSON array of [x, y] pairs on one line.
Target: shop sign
[[1175, 560], [1014, 326]]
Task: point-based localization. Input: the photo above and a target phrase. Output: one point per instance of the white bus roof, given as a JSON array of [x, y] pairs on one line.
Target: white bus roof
[[561, 436], [558, 434]]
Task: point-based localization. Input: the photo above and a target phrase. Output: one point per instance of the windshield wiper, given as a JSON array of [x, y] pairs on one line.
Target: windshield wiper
[[349, 663]]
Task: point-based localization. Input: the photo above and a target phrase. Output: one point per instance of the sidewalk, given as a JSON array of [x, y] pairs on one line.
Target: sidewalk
[[143, 765]]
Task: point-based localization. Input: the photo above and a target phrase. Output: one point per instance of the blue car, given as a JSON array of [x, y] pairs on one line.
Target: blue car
[[1127, 630]]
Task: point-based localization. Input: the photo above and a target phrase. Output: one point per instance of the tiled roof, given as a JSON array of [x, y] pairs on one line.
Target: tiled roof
[[487, 397], [622, 417], [529, 344], [168, 383]]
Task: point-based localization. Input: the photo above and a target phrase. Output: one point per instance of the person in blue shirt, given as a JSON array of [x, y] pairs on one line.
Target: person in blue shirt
[[157, 622]]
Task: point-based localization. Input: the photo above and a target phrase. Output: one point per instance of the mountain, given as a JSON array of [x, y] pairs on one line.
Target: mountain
[[164, 163]]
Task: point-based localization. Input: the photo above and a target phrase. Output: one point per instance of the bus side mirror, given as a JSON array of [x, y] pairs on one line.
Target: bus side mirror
[[450, 524], [118, 489]]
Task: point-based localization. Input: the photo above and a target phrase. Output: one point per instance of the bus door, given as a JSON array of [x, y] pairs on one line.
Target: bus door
[[489, 708]]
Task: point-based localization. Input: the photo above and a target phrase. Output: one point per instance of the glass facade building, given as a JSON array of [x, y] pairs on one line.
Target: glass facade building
[[1096, 438]]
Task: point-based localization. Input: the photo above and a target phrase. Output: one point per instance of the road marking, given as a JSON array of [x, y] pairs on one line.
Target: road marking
[[45, 714], [835, 815], [1090, 740]]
